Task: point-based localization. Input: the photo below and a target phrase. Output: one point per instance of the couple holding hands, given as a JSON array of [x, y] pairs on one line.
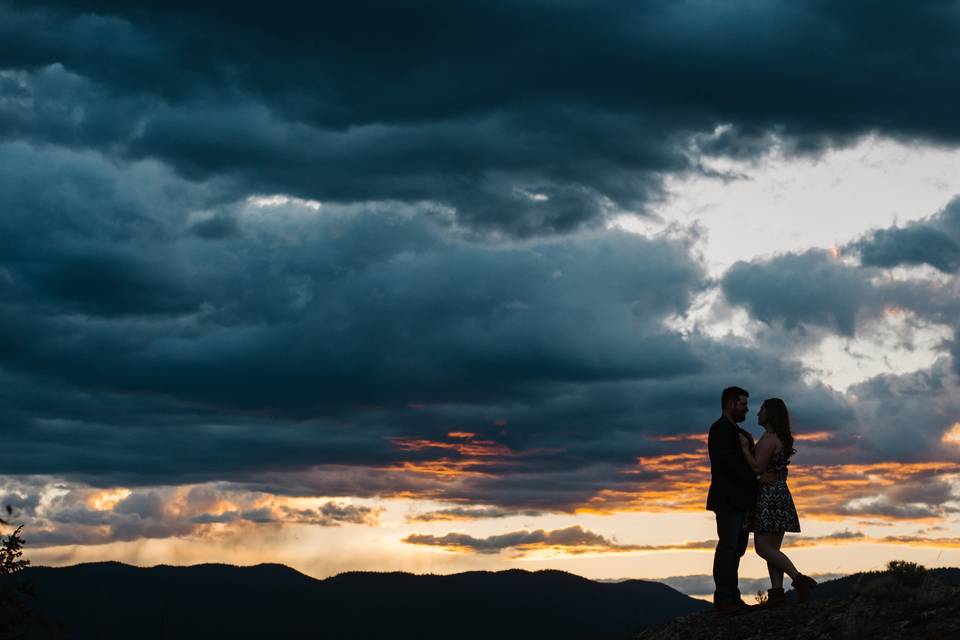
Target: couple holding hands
[[748, 492]]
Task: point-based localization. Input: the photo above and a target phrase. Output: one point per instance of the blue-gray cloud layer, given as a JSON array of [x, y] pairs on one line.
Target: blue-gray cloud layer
[[139, 350], [441, 264]]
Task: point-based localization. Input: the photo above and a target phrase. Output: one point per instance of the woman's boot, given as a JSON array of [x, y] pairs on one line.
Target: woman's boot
[[804, 585], [776, 598]]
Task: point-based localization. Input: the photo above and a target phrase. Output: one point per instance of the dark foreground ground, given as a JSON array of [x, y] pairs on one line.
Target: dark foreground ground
[[876, 606]]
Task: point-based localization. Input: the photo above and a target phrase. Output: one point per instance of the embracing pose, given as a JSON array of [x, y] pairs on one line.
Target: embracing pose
[[774, 512], [732, 496]]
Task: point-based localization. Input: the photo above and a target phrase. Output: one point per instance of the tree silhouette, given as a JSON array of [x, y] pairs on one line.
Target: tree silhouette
[[19, 617], [10, 553]]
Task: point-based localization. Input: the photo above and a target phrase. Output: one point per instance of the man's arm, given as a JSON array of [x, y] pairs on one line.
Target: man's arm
[[725, 455]]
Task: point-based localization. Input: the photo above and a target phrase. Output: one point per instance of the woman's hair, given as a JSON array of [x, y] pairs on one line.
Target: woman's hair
[[779, 420]]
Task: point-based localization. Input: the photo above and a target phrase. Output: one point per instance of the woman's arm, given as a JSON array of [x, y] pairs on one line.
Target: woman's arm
[[766, 447]]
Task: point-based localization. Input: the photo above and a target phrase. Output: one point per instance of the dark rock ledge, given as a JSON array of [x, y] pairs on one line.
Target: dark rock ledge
[[894, 607]]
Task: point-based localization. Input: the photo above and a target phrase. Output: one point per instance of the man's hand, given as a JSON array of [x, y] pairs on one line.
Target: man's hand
[[768, 477]]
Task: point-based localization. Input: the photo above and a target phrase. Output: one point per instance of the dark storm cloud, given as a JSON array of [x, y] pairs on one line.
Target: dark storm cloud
[[304, 307], [316, 335], [527, 117], [135, 347]]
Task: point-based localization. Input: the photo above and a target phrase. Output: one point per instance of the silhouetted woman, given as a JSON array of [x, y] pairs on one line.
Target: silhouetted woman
[[775, 512]]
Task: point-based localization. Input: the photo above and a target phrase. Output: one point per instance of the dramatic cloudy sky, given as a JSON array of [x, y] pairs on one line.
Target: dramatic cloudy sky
[[437, 286]]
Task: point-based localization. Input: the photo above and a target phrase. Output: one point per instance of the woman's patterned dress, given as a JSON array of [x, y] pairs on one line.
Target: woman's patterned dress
[[775, 511]]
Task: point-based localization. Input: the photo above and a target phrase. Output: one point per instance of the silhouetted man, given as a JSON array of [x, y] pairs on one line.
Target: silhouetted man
[[733, 493]]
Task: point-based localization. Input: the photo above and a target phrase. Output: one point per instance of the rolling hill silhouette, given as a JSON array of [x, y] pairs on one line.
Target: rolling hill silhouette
[[113, 600]]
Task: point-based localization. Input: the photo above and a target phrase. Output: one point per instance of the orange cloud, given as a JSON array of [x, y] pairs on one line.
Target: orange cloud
[[686, 437], [469, 457], [470, 448], [444, 469], [814, 436], [920, 541], [679, 481]]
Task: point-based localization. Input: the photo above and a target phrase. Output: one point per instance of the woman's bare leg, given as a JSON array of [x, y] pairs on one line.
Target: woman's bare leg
[[768, 548], [776, 574]]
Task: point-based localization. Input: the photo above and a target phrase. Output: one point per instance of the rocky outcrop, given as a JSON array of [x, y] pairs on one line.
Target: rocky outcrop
[[896, 606]]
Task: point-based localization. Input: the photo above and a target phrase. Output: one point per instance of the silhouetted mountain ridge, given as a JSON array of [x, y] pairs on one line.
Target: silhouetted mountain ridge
[[112, 600]]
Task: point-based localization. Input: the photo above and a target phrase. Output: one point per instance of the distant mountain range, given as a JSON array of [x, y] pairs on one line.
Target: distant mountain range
[[106, 601]]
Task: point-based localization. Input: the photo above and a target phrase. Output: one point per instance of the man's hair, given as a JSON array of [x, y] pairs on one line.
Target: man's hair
[[731, 393]]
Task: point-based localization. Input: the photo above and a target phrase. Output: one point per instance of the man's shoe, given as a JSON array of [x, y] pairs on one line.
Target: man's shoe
[[729, 608], [775, 598], [804, 585]]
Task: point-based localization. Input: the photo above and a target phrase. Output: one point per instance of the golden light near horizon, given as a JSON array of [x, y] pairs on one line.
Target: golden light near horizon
[[952, 435]]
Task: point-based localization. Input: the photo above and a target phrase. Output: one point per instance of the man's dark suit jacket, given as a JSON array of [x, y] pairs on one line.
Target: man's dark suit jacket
[[733, 484]]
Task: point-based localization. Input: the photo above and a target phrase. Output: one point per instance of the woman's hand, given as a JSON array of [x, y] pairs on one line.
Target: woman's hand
[[748, 454]]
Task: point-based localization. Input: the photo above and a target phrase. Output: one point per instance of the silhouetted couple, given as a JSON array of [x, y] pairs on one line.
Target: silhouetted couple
[[748, 492]]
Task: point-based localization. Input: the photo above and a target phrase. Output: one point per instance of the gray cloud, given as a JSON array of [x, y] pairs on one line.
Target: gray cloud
[[817, 290], [797, 289], [69, 519], [934, 241], [905, 416], [86, 517], [469, 513], [571, 538]]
